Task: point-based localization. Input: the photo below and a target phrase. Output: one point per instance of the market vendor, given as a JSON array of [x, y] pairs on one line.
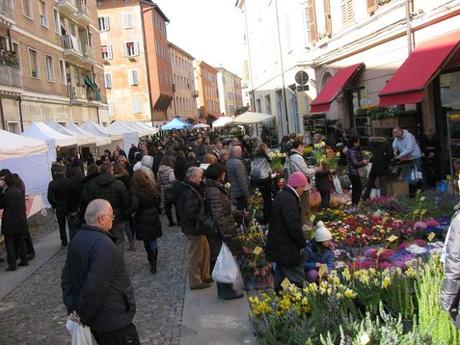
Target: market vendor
[[317, 252], [407, 149]]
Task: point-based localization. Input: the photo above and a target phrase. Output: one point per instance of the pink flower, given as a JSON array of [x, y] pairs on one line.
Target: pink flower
[[420, 225], [384, 265]]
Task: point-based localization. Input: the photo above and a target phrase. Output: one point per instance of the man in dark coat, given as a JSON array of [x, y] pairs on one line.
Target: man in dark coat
[[57, 197], [181, 166], [95, 283], [107, 187], [431, 151], [14, 221], [189, 205], [381, 157], [286, 240]]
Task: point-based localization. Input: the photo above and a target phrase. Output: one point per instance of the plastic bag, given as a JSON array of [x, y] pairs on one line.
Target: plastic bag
[[375, 193], [337, 185], [226, 269], [81, 335]]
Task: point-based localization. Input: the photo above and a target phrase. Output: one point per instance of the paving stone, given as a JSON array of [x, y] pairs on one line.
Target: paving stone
[[33, 313]]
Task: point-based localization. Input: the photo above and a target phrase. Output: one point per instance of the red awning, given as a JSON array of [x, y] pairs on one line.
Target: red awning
[[407, 84], [327, 95]]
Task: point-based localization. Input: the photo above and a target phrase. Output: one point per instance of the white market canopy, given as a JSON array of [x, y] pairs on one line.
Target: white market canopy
[[130, 136], [249, 118], [27, 157], [39, 130], [134, 127], [82, 139], [200, 125], [100, 140], [97, 129], [221, 122], [151, 130]]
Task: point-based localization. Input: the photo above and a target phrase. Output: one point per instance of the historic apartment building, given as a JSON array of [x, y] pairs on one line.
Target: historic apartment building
[[208, 94], [185, 94], [230, 94], [137, 62], [50, 64]]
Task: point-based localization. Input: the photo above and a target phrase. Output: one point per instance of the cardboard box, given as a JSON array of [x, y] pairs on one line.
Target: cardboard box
[[398, 188]]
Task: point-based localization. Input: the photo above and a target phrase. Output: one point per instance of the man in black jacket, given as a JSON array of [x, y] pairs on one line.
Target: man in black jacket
[[14, 221], [57, 197], [286, 240], [189, 206], [106, 187], [95, 283], [382, 153]]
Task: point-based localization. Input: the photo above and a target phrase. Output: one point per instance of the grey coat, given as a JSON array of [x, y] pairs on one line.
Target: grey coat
[[450, 291], [238, 178]]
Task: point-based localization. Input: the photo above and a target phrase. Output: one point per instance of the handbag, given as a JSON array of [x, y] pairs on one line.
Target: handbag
[[205, 223]]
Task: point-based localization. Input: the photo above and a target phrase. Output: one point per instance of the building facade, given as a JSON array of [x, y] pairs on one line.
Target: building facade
[[230, 94], [208, 94], [185, 94], [137, 64], [324, 37], [50, 66]]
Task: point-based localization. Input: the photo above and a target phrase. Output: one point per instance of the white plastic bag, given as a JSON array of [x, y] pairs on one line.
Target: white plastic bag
[[81, 335], [375, 193], [337, 184], [226, 269]]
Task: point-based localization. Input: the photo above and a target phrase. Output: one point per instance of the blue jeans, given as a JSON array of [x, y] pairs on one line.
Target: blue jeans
[[150, 245], [128, 231]]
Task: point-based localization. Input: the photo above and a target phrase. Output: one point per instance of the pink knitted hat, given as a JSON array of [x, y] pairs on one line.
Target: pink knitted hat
[[297, 179]]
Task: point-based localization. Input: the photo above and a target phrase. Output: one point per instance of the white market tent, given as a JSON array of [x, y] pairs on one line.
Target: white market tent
[[200, 126], [100, 141], [39, 130], [151, 130], [221, 122], [134, 126], [28, 158], [116, 138], [82, 139], [250, 118], [130, 136]]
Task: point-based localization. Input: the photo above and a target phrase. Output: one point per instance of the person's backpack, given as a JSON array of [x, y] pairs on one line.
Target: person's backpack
[[260, 169]]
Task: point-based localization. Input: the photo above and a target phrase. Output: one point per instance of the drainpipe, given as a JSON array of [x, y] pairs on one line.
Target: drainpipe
[[20, 114], [408, 27], [2, 115], [282, 69]]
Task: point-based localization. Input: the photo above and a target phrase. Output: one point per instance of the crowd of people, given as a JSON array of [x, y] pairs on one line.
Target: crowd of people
[[202, 184]]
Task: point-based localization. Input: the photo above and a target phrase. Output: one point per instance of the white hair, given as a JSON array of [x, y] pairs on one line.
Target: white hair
[[95, 208], [192, 172]]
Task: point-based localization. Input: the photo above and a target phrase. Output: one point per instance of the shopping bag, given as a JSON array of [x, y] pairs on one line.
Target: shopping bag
[[81, 335], [375, 193], [226, 269], [337, 185]]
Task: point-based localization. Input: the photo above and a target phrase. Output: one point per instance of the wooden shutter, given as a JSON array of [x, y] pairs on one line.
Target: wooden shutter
[[109, 48], [135, 77], [312, 21], [327, 17], [371, 6], [136, 48], [347, 13]]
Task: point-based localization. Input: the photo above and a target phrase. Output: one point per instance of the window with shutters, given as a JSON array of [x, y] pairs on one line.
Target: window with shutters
[[137, 105], [127, 21], [347, 13], [104, 23], [43, 14], [108, 80], [311, 21], [131, 49], [106, 51], [371, 6], [62, 69], [133, 76], [33, 60], [49, 68]]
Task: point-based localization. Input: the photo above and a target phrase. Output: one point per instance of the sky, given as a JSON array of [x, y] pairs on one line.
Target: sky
[[210, 30]]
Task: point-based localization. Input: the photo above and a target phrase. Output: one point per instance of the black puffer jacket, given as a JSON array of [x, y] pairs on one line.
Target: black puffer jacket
[[285, 237], [13, 203], [382, 154], [74, 190], [218, 202], [95, 282], [107, 187], [147, 224], [189, 205], [58, 194]]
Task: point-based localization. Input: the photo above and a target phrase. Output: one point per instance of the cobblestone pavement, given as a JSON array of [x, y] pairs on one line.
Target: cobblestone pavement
[[33, 313]]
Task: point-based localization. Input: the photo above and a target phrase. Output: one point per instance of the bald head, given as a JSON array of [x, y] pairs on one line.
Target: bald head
[[235, 151], [99, 214]]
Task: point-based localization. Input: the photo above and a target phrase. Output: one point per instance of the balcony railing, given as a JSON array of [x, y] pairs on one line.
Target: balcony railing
[[82, 12], [10, 76], [71, 45], [6, 9], [87, 52]]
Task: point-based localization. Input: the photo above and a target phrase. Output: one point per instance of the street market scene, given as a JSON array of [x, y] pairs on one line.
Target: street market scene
[[230, 172]]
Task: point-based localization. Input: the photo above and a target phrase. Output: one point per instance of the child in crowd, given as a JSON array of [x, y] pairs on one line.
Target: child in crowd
[[323, 180], [317, 252]]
